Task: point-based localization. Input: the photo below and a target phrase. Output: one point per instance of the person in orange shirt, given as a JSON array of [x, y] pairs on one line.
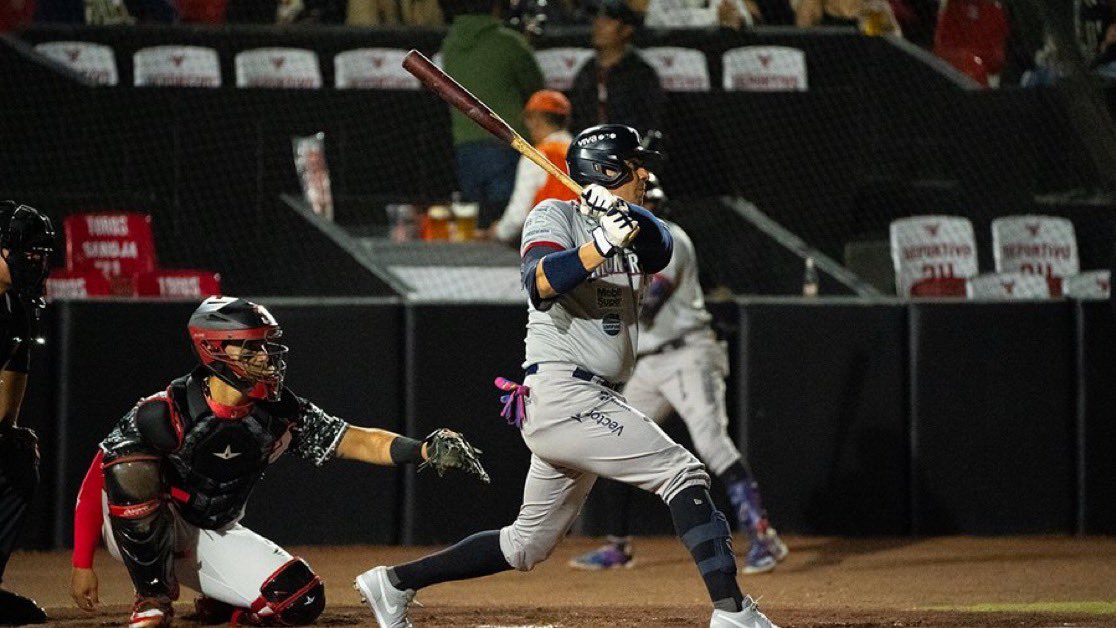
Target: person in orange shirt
[[547, 117]]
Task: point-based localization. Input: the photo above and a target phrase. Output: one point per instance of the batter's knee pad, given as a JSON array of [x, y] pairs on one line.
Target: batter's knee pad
[[293, 596]]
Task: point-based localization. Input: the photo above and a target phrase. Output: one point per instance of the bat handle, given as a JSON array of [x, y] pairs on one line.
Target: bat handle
[[530, 152]]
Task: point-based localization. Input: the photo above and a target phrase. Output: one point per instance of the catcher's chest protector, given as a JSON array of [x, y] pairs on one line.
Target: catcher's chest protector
[[220, 460]]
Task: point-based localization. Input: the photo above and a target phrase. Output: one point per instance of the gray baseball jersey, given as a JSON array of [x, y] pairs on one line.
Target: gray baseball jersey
[[595, 325], [684, 311]]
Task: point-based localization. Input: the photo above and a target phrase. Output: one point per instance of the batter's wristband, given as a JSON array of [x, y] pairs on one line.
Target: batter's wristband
[[404, 450]]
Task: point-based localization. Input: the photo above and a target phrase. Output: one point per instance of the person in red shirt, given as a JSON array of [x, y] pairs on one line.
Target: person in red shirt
[[547, 116]]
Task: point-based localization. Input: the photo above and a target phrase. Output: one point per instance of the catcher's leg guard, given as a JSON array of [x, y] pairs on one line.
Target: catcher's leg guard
[[142, 524], [292, 596]]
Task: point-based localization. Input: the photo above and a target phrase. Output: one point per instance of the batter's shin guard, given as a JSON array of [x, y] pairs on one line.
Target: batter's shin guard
[[705, 532], [142, 525]]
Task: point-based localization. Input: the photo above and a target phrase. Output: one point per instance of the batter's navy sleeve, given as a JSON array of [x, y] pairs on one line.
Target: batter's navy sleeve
[[563, 269], [653, 244]]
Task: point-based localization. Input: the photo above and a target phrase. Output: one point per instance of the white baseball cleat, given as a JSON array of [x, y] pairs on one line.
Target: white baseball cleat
[[750, 617], [388, 604]]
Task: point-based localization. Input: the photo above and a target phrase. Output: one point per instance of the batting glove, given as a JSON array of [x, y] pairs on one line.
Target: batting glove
[[597, 201], [616, 231]]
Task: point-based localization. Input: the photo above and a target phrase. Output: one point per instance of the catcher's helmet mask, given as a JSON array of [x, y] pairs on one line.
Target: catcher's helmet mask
[[608, 154], [27, 238], [258, 365]]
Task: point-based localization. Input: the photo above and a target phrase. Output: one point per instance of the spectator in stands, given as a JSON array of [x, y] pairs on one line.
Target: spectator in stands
[[426, 13], [202, 11], [547, 116], [732, 14], [496, 64], [872, 17], [616, 86], [285, 11]]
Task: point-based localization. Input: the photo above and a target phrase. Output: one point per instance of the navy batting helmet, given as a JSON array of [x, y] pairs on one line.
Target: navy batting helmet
[[600, 154]]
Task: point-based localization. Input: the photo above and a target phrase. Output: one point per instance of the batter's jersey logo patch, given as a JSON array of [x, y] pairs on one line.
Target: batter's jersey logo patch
[[611, 324]]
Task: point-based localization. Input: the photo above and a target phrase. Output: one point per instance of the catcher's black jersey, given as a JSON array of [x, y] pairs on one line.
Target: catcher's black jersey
[[212, 463], [15, 341]]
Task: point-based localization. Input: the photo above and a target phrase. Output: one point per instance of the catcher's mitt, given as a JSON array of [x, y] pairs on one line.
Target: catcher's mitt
[[446, 449]]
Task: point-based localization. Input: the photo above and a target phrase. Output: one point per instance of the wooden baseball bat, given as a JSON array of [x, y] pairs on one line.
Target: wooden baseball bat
[[452, 92]]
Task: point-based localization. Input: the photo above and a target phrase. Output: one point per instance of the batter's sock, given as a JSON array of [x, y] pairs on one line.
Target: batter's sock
[[472, 557], [737, 472], [705, 532]]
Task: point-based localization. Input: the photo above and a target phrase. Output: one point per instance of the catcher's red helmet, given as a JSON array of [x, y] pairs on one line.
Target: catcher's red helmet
[[258, 364]]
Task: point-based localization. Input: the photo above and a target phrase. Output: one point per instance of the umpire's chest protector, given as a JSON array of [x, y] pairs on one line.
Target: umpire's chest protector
[[221, 459]]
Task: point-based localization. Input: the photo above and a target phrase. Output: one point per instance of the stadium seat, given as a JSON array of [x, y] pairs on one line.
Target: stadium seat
[[1008, 286], [934, 254], [176, 66], [560, 65], [972, 35], [679, 69], [118, 244], [290, 68], [1036, 245], [1091, 284], [178, 283], [95, 62], [764, 69], [373, 68], [77, 284]]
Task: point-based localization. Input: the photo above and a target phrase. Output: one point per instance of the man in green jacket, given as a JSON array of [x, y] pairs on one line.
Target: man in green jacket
[[495, 64]]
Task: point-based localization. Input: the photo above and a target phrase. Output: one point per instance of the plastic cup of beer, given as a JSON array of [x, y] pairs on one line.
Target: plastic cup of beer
[[464, 220], [438, 222]]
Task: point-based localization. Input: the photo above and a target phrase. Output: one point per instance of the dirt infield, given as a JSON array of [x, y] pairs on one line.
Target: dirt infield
[[1033, 581]]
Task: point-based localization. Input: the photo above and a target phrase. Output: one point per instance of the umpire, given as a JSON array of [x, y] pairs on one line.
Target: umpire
[[26, 242]]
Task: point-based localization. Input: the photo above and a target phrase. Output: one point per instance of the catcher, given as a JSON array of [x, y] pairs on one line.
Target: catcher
[[175, 473]]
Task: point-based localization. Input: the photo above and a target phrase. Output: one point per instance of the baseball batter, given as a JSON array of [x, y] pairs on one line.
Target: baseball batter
[[585, 267], [682, 367], [169, 484]]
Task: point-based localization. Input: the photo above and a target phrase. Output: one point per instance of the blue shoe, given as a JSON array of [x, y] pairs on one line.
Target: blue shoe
[[758, 559], [609, 556]]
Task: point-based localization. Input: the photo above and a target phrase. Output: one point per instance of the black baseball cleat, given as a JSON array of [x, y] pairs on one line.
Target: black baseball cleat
[[16, 610]]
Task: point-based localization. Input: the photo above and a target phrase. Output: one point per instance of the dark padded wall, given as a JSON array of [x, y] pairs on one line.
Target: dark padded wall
[[992, 418], [457, 351], [823, 402], [348, 360], [1096, 390]]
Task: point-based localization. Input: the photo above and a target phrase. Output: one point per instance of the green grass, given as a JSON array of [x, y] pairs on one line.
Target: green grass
[[1083, 608]]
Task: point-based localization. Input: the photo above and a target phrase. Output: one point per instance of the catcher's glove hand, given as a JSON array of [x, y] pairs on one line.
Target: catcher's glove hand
[[446, 449]]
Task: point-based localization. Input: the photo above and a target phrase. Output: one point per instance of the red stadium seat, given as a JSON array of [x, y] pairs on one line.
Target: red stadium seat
[[119, 244], [77, 284], [179, 283], [939, 287], [972, 36]]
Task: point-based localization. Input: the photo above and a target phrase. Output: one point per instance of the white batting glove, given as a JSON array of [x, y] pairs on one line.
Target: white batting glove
[[597, 201], [616, 231]]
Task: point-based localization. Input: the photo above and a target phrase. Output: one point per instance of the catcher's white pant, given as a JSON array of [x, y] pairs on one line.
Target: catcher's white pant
[[577, 431], [229, 564], [691, 380]]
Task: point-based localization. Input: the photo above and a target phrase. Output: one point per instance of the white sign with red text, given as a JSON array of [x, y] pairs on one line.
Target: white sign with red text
[[1038, 245], [1091, 284], [177, 66], [764, 69], [932, 247], [373, 68], [1008, 286], [560, 65], [284, 68], [95, 62], [679, 69]]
